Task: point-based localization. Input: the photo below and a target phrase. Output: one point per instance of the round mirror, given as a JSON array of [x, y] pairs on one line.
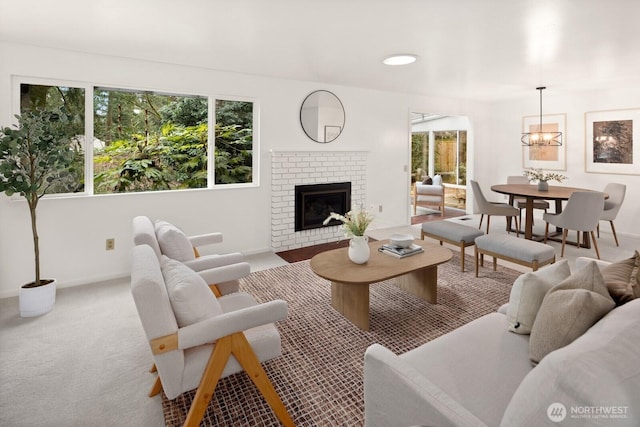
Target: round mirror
[[322, 116]]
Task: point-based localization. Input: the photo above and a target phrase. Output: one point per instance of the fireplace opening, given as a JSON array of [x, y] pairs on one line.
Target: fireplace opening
[[314, 203]]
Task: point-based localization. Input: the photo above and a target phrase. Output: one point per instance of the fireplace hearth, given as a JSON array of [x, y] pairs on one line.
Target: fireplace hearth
[[314, 203]]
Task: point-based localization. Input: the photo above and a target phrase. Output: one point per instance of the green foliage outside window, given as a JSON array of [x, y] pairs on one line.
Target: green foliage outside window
[[67, 102], [144, 141]]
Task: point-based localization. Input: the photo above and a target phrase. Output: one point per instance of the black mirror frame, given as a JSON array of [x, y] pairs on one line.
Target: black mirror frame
[[335, 133]]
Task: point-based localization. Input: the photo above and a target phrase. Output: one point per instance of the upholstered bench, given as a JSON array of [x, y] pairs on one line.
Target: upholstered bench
[[519, 251], [453, 233]]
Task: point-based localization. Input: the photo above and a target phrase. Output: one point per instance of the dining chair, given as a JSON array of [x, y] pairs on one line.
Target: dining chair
[[612, 205], [582, 213], [493, 208], [521, 202]]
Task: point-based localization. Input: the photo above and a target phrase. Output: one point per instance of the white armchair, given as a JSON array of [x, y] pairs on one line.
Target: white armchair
[[220, 271], [429, 195], [192, 334]]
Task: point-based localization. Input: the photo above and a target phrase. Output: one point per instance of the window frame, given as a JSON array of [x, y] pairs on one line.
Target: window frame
[[89, 88]]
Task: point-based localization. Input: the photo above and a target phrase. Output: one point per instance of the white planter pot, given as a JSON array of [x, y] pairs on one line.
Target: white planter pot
[[38, 300]]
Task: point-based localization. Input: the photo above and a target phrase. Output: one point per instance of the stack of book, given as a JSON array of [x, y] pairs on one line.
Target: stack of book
[[400, 252]]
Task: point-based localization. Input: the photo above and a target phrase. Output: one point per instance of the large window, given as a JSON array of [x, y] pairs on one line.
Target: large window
[[70, 101], [149, 141]]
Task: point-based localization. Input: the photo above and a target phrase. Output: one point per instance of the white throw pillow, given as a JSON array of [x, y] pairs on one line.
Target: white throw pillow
[[191, 299], [173, 242], [527, 294], [568, 310]]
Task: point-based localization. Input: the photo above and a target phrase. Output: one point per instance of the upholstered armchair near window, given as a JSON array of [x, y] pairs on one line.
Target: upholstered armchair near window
[[429, 195], [192, 334], [222, 271]]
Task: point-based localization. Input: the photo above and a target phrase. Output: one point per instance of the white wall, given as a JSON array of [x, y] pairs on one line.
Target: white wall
[[73, 230]]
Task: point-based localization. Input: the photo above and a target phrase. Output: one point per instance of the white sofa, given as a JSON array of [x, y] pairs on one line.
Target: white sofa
[[480, 375]]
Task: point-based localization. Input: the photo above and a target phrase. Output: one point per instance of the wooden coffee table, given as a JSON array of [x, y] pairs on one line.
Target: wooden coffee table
[[417, 274]]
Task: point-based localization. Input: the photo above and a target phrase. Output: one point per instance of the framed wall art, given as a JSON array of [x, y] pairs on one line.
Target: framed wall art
[[545, 156], [612, 142]]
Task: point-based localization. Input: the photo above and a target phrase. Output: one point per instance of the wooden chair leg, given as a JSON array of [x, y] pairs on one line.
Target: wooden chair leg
[[595, 244], [461, 256], [210, 377], [237, 345], [564, 240], [488, 220], [157, 387], [481, 218], [546, 232], [245, 355], [215, 290], [613, 229], [153, 368], [477, 261]]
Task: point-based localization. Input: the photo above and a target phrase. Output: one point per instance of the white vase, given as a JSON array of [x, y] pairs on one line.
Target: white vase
[[543, 186], [359, 249], [38, 300]]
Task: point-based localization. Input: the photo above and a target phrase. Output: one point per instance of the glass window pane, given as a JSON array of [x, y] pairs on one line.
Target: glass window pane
[[233, 156], [445, 153], [419, 154], [462, 157], [70, 100], [146, 141]]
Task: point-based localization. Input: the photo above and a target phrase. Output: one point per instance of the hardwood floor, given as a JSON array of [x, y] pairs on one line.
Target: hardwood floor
[[295, 255], [435, 216]]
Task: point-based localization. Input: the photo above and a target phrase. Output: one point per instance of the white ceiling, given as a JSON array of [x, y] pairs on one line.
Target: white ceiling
[[474, 49]]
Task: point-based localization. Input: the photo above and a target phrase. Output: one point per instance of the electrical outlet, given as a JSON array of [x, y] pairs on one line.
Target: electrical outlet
[[111, 244]]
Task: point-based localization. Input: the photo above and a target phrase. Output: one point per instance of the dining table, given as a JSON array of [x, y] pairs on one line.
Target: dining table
[[530, 193]]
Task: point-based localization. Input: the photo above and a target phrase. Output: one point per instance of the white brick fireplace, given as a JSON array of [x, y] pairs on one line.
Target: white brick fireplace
[[291, 168]]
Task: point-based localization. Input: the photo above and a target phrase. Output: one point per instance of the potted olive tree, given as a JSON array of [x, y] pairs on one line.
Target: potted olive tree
[[35, 159]]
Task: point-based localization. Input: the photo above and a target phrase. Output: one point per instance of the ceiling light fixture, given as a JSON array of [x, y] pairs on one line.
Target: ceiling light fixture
[[540, 137], [400, 59]]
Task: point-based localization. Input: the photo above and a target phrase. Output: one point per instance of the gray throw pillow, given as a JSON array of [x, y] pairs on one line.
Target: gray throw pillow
[[618, 279], [568, 310]]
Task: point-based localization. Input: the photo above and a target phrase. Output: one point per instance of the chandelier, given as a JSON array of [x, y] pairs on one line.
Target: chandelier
[[541, 138]]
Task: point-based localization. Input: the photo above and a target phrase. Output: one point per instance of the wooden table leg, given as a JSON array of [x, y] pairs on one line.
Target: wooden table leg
[[352, 301], [528, 219], [422, 283]]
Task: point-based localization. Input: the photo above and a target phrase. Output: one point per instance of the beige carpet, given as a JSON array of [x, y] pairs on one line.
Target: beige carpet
[[319, 375]]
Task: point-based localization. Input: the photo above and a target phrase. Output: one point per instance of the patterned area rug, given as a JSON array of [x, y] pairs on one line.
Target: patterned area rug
[[319, 375]]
